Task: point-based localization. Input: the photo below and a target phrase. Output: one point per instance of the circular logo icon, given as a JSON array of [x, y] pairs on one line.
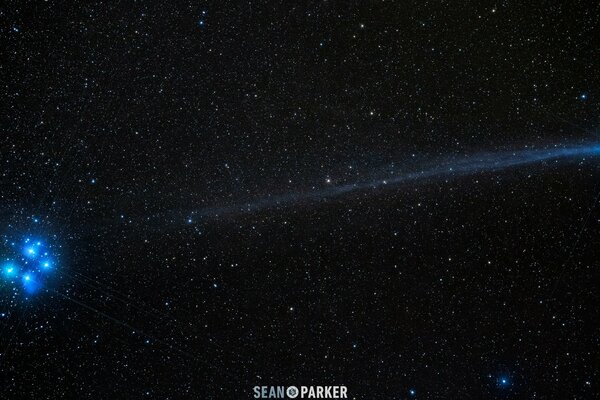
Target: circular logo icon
[[292, 392]]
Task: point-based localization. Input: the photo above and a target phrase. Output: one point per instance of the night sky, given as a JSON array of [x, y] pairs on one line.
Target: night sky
[[400, 197]]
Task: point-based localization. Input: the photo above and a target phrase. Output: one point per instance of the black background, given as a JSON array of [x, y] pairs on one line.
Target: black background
[[123, 121]]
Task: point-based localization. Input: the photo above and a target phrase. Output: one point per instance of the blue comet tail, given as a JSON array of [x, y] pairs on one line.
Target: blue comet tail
[[476, 163]]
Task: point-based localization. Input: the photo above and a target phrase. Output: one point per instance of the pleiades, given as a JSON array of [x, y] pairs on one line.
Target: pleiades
[[302, 392]]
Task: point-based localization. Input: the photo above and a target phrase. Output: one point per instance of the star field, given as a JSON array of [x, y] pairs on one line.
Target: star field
[[398, 197]]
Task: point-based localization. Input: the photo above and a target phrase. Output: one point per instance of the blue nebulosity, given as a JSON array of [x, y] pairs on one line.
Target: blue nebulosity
[[477, 163], [27, 265]]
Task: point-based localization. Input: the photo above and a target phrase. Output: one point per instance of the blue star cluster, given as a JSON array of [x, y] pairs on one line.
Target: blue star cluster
[[27, 265]]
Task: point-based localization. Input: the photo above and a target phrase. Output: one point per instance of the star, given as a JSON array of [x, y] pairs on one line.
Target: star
[[503, 382]]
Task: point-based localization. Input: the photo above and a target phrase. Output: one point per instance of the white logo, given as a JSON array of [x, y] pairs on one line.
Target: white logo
[[302, 392], [292, 392]]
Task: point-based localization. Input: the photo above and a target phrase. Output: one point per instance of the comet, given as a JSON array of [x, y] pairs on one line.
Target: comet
[[469, 165]]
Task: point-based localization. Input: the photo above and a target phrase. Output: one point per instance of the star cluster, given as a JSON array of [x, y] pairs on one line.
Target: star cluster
[[27, 265]]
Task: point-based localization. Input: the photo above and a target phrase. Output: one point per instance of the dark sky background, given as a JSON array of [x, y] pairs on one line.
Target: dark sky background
[[122, 121]]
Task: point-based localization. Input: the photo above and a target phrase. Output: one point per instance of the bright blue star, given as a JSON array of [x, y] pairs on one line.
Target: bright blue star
[[45, 265], [32, 248], [503, 382], [412, 392], [10, 270], [30, 283]]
